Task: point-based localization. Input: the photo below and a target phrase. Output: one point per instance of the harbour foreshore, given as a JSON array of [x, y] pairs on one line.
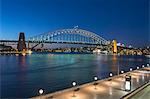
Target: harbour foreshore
[[108, 88]]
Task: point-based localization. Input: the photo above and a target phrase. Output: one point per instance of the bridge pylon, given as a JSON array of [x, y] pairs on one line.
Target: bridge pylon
[[21, 46]]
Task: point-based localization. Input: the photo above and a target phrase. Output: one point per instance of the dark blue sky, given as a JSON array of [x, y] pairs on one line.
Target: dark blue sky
[[124, 20]]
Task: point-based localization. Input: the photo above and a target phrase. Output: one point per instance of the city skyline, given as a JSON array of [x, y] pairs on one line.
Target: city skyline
[[125, 21]]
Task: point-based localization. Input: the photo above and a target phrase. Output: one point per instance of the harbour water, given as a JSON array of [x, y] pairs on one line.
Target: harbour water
[[23, 76]]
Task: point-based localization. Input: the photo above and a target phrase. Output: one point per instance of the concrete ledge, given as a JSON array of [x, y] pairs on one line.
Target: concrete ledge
[[132, 93], [50, 95]]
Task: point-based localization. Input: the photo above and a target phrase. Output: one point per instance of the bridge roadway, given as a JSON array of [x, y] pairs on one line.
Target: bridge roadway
[[15, 41], [49, 44], [106, 89]]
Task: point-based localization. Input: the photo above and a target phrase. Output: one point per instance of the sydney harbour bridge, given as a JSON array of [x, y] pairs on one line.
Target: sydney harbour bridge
[[64, 38]]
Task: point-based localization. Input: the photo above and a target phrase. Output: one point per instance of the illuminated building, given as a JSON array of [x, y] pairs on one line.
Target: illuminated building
[[115, 46]]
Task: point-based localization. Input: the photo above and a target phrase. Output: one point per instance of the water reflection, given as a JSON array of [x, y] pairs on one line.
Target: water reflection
[[114, 63], [56, 71], [22, 62], [22, 66]]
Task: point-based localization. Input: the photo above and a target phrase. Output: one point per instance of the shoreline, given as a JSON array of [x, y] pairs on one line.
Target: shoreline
[[53, 94], [38, 52]]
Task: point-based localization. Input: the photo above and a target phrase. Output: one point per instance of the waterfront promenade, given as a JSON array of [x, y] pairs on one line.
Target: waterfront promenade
[[109, 88]]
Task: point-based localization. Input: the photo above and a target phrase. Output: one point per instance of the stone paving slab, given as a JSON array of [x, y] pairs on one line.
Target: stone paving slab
[[143, 94]]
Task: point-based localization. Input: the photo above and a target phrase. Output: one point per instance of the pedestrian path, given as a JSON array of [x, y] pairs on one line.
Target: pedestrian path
[[143, 94], [110, 88]]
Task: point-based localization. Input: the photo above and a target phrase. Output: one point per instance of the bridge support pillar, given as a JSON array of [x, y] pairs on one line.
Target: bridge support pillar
[[114, 46], [21, 46]]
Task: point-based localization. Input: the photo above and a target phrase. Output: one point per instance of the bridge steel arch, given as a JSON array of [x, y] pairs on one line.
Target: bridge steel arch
[[75, 36]]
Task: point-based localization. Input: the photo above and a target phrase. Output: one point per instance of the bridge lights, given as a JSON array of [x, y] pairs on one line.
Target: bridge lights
[[23, 54], [71, 35], [17, 54], [29, 51]]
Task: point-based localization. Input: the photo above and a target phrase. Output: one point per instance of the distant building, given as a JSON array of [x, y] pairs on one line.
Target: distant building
[[5, 48], [21, 46]]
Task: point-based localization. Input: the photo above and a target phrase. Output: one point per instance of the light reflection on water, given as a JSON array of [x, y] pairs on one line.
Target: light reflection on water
[[22, 76]]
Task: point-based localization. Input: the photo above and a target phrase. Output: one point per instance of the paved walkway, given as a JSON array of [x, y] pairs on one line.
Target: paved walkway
[[106, 89], [143, 94]]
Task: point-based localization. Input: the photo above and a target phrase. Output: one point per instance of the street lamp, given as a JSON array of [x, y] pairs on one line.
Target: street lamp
[[147, 65], [41, 91], [110, 74], [130, 69], [74, 84], [95, 79], [137, 67], [143, 66], [122, 71]]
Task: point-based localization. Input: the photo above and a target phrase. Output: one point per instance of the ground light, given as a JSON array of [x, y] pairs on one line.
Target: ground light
[[95, 79], [74, 84]]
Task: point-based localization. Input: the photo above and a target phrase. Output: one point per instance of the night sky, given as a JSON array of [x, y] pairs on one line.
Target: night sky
[[124, 20]]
